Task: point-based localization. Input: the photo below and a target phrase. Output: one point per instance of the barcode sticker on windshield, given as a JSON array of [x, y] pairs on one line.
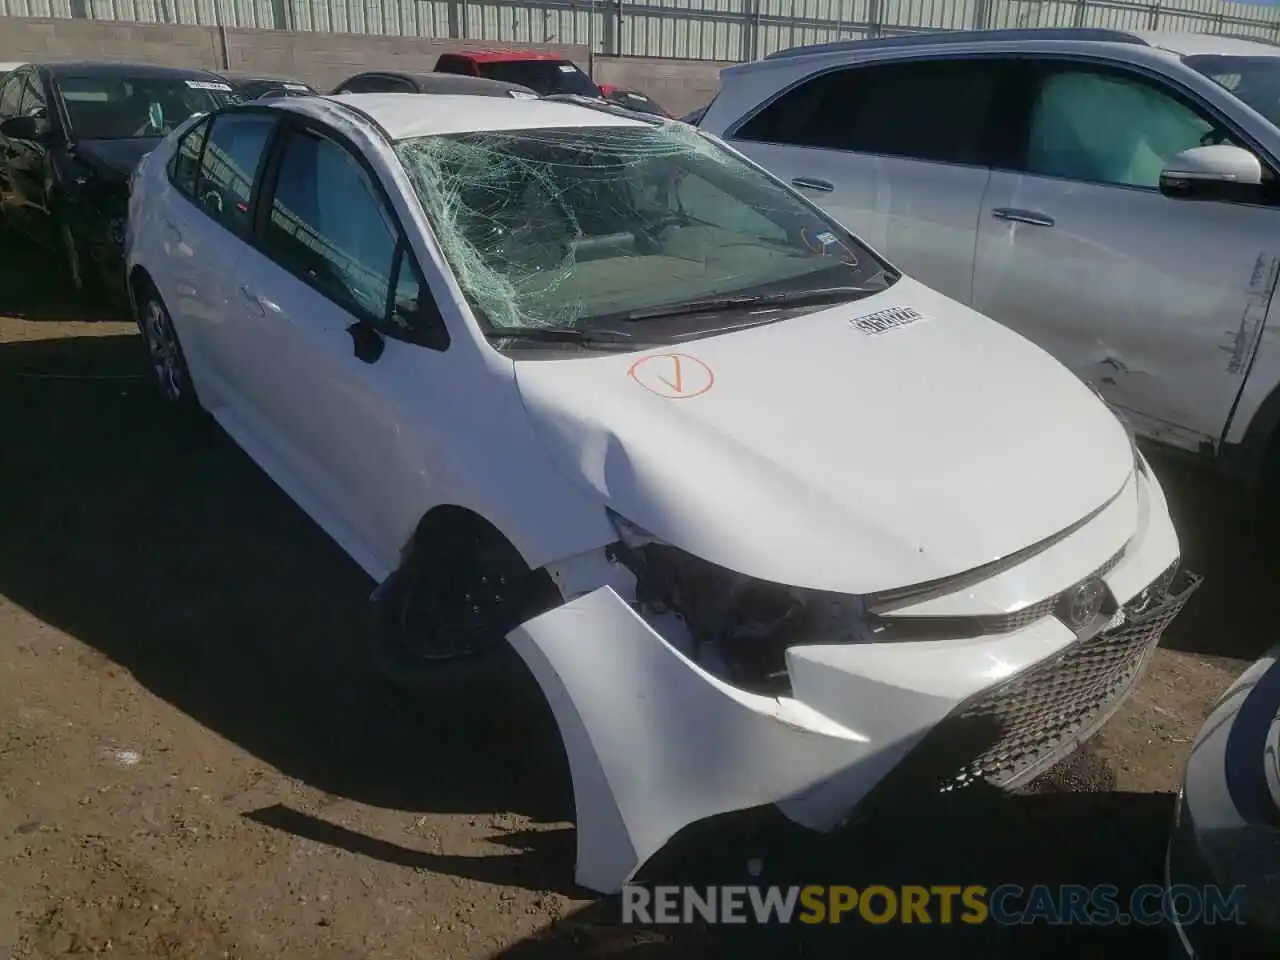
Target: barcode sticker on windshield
[[883, 321], [568, 68], [208, 85]]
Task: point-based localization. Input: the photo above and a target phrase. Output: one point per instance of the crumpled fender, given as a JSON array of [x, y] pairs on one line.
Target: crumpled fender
[[655, 742]]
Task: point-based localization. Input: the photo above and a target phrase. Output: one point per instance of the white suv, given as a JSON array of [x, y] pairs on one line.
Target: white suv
[[768, 521], [1111, 196]]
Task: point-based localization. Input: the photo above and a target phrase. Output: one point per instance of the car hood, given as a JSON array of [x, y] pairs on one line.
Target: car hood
[[115, 158], [819, 453]]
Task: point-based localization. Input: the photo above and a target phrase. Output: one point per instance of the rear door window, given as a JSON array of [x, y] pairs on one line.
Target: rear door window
[[185, 165], [229, 167], [924, 110]]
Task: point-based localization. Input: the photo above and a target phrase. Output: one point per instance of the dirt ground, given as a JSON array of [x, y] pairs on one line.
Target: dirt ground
[[196, 760]]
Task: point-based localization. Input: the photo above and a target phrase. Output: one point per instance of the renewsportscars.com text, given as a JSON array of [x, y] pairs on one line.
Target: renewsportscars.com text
[[1008, 904]]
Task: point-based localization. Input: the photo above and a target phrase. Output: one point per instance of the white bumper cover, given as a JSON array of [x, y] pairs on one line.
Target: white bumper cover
[[656, 743]]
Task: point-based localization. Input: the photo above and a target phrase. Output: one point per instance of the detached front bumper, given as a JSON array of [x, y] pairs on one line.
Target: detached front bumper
[[656, 742]]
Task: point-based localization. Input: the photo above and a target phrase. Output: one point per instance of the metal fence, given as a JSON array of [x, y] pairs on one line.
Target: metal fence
[[690, 29]]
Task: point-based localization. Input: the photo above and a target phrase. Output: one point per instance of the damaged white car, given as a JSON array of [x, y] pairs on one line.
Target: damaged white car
[[768, 521]]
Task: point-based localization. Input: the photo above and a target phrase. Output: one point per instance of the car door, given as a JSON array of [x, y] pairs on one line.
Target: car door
[[897, 152], [25, 161], [1157, 302], [353, 344], [206, 222], [10, 100]]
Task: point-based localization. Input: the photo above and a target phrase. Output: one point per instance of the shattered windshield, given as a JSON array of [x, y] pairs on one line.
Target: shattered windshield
[[1255, 80], [121, 107], [566, 227]]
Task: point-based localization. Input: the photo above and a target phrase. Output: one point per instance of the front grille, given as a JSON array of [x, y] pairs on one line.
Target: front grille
[[1012, 732], [1024, 617]]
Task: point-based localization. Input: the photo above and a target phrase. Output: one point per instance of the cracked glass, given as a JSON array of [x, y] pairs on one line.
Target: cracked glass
[[565, 227]]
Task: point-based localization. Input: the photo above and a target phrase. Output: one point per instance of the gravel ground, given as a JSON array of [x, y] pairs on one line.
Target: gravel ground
[[195, 760]]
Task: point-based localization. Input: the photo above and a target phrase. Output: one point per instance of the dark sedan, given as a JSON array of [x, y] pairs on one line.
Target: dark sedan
[[442, 83], [254, 86], [70, 136]]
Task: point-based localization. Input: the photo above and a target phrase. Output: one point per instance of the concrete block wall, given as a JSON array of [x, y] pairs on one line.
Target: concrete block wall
[[326, 59], [24, 38], [322, 59]]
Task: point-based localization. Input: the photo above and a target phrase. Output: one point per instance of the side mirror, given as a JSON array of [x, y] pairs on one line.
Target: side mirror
[[25, 128], [1217, 172], [368, 342]]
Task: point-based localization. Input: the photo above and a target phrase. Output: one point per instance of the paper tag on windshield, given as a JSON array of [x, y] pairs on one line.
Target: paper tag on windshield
[[300, 87], [882, 321], [208, 85], [568, 68]]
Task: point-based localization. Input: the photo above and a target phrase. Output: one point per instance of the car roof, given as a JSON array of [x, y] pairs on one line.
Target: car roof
[[103, 68], [1177, 43], [445, 83], [404, 115], [495, 56], [240, 77], [1121, 45], [1192, 44]]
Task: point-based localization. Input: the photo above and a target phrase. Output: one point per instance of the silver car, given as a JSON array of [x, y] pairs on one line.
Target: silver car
[[1112, 196]]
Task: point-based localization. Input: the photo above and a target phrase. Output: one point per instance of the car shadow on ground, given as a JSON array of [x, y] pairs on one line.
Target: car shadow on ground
[[164, 547], [35, 286], [161, 545], [1090, 839], [1233, 538]]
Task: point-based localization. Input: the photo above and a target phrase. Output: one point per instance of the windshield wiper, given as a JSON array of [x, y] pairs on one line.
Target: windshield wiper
[[788, 298], [560, 335]]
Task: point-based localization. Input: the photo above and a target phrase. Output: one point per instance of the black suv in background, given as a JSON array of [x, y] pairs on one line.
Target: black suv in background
[[70, 136]]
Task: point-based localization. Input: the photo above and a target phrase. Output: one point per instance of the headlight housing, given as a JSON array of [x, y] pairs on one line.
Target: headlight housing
[[737, 625]]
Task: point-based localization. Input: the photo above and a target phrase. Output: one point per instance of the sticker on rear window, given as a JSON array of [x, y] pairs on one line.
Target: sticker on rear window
[[882, 321], [568, 68], [208, 85]]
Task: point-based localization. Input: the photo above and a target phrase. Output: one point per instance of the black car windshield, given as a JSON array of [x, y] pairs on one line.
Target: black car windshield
[[122, 107], [542, 76], [1255, 80], [573, 227]]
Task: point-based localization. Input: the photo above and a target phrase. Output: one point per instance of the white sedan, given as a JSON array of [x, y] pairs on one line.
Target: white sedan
[[768, 521]]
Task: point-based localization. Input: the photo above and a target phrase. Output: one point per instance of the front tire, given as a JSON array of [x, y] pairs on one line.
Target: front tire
[[441, 620]]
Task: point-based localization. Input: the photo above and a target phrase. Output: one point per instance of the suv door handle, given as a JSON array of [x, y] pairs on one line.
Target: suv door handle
[[809, 183], [1033, 217]]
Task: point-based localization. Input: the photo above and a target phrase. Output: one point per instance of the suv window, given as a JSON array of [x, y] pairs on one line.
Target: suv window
[[925, 110], [1110, 127], [229, 165], [184, 166], [328, 226]]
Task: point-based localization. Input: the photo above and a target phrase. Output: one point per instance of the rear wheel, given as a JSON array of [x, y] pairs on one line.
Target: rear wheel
[[167, 362]]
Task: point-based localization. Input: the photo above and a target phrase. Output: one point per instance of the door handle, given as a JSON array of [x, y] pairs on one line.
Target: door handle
[[809, 183], [1013, 214], [253, 299]]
